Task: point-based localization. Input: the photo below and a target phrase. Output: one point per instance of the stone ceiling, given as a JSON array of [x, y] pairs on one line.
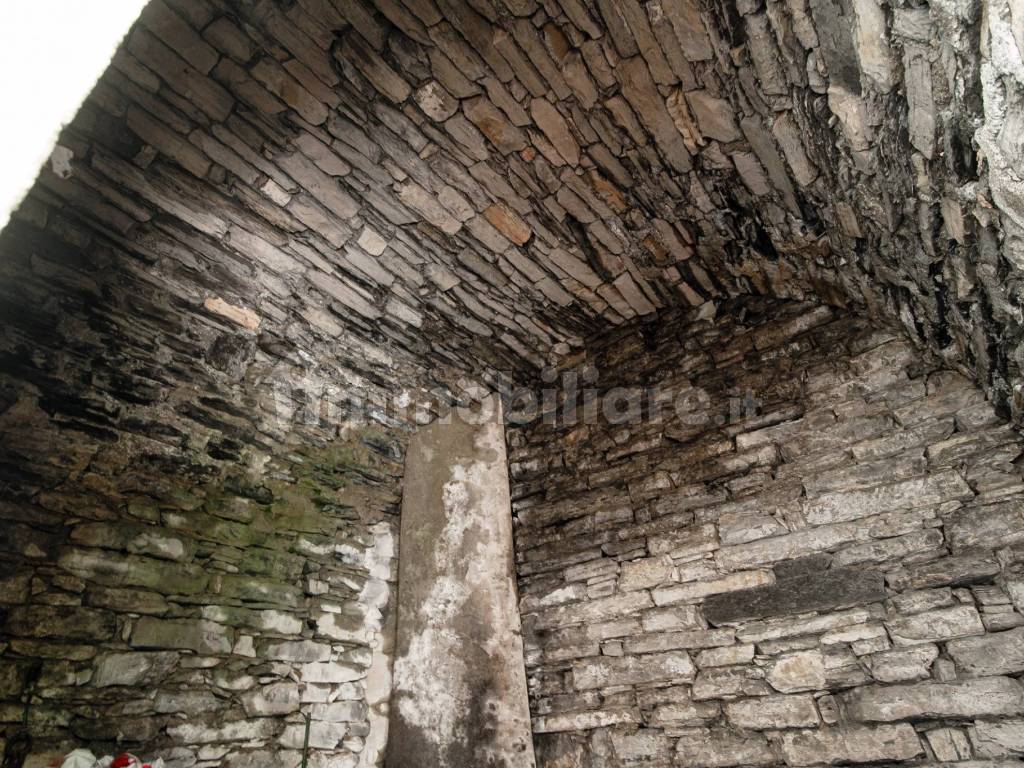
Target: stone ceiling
[[499, 180]]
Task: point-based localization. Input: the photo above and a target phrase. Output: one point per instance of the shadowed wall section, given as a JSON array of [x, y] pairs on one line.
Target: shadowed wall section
[[814, 555]]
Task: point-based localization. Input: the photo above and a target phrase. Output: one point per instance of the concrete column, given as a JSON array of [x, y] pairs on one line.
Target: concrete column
[[459, 697]]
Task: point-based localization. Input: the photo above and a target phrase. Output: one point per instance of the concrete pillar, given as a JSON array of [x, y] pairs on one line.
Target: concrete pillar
[[459, 697]]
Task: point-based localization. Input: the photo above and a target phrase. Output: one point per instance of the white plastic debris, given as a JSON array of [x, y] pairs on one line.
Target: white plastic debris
[[80, 758], [83, 758]]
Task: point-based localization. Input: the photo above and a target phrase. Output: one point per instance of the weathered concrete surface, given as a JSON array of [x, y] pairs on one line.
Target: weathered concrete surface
[[459, 695]]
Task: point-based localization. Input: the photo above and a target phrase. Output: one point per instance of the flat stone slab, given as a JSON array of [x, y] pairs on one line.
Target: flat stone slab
[[989, 696], [837, 588]]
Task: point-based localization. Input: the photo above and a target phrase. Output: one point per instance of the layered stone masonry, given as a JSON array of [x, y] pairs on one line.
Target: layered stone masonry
[[202, 622], [198, 513], [497, 180], [816, 561], [412, 194]]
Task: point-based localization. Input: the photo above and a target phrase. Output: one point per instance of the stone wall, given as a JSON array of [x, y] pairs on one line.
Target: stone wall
[[210, 356], [197, 539], [814, 557], [270, 222], [201, 622], [491, 182]]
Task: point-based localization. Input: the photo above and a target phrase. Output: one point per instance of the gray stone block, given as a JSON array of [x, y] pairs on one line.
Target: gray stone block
[[837, 588], [850, 744], [984, 697], [1000, 653]]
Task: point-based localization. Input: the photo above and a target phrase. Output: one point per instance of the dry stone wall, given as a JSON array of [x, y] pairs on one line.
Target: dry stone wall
[[813, 557], [495, 180], [201, 622], [372, 201], [198, 537]]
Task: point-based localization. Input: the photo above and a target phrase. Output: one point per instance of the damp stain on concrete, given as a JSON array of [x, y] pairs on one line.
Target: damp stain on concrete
[[459, 689]]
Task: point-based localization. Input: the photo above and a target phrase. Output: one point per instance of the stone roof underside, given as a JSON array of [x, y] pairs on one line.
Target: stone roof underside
[[499, 180]]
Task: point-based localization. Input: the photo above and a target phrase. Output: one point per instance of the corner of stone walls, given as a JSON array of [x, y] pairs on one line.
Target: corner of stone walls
[[199, 617], [833, 576]]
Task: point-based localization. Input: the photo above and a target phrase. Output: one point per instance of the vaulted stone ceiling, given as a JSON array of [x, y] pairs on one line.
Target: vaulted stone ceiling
[[497, 180]]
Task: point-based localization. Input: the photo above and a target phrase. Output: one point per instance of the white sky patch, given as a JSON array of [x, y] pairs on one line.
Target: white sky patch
[[52, 52]]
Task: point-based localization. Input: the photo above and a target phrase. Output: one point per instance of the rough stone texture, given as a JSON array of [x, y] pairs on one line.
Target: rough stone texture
[[767, 568], [971, 698], [851, 745], [1000, 653], [679, 152], [194, 607], [459, 695], [317, 207], [198, 524], [837, 588]]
